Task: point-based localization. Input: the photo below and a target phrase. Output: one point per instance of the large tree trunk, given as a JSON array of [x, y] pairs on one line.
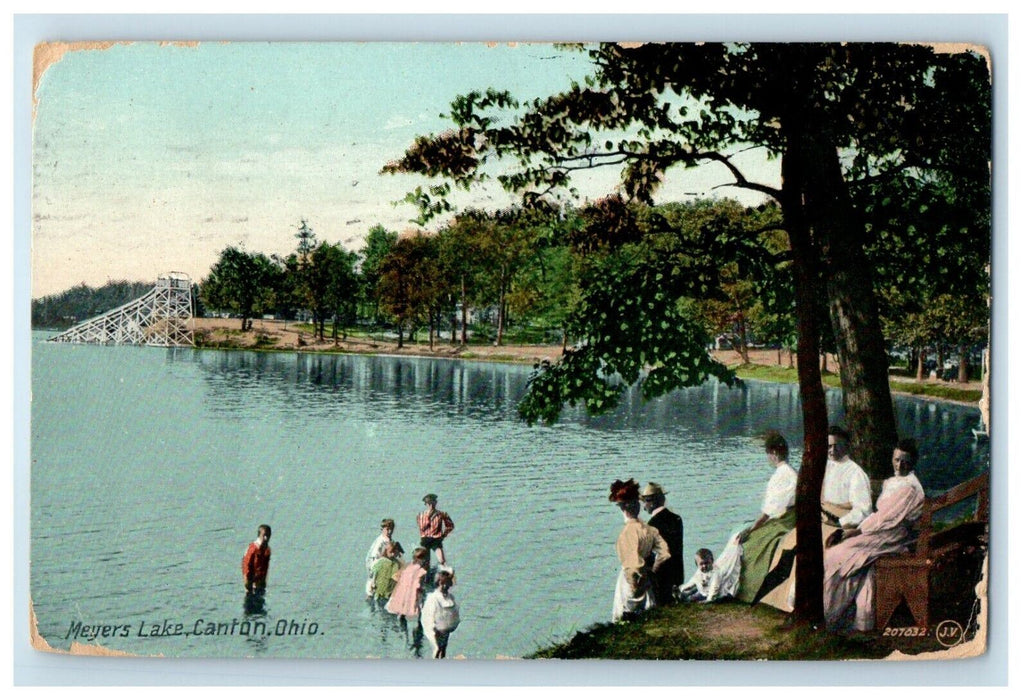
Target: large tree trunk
[[862, 361], [796, 170]]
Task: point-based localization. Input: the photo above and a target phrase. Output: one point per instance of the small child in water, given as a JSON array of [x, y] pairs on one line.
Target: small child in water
[[377, 551], [256, 560], [385, 572], [440, 614], [706, 584], [406, 600]]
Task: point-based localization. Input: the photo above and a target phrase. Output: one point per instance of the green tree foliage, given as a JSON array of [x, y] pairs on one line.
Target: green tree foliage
[[377, 245], [630, 322], [310, 281], [496, 260], [307, 241], [929, 216], [460, 265], [411, 284], [335, 270], [240, 283], [545, 289], [287, 288], [198, 304], [505, 243], [653, 107]]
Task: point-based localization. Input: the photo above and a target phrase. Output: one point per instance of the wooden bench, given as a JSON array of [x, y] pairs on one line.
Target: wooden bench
[[905, 577]]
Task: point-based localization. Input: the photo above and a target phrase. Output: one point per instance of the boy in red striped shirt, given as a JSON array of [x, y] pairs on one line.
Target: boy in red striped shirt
[[433, 526]]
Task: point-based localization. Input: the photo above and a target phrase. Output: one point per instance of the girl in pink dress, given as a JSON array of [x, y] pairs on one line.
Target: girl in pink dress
[[407, 597]]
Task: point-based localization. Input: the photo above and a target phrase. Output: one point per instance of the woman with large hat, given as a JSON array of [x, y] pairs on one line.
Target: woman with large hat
[[641, 549]]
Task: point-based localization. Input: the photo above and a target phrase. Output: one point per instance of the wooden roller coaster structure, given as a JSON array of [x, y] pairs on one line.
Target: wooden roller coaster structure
[[163, 317]]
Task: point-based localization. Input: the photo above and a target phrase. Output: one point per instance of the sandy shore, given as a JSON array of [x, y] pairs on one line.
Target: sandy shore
[[280, 335]]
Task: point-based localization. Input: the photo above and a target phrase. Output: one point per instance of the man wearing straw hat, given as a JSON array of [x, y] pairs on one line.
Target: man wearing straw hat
[[670, 576]]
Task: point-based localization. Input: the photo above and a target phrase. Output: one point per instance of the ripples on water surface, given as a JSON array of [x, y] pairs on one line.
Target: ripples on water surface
[[151, 470]]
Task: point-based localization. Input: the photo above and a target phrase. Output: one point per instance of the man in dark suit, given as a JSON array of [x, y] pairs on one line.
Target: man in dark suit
[[669, 576]]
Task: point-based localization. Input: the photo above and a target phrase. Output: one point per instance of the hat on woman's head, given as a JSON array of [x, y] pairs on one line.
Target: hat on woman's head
[[624, 491]]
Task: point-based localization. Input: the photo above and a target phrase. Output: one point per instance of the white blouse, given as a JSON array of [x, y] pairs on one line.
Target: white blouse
[[781, 492], [846, 482]]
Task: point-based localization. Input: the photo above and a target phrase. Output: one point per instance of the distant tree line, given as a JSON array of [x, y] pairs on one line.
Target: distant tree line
[[520, 271], [529, 271]]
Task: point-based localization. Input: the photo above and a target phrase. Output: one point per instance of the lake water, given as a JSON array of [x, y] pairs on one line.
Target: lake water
[[151, 469]]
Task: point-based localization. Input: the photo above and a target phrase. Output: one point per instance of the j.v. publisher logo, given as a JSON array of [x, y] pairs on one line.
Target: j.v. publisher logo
[[949, 633]]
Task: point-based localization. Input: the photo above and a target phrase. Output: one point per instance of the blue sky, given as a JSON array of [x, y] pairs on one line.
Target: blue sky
[[151, 157]]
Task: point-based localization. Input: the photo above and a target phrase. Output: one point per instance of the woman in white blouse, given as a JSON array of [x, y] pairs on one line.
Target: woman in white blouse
[[776, 519]]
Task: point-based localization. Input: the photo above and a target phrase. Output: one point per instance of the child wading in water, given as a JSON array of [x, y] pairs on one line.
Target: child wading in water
[[407, 597], [256, 560], [440, 615], [255, 571], [385, 572], [378, 550]]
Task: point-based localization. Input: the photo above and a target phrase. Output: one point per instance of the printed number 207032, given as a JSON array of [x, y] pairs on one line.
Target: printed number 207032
[[905, 632]]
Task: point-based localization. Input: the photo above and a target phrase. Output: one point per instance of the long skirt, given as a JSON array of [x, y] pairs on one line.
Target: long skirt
[[626, 602], [758, 551], [849, 583]]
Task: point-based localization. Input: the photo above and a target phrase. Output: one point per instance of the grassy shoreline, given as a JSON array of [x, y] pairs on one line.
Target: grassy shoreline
[[731, 631], [784, 375]]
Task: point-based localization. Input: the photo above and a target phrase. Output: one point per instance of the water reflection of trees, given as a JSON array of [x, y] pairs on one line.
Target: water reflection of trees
[[377, 384], [320, 382]]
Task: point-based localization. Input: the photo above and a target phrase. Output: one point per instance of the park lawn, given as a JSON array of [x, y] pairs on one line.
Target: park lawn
[[724, 631], [784, 375], [732, 630]]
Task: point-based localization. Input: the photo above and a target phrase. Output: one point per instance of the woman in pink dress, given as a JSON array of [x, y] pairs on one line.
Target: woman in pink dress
[[849, 583]]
